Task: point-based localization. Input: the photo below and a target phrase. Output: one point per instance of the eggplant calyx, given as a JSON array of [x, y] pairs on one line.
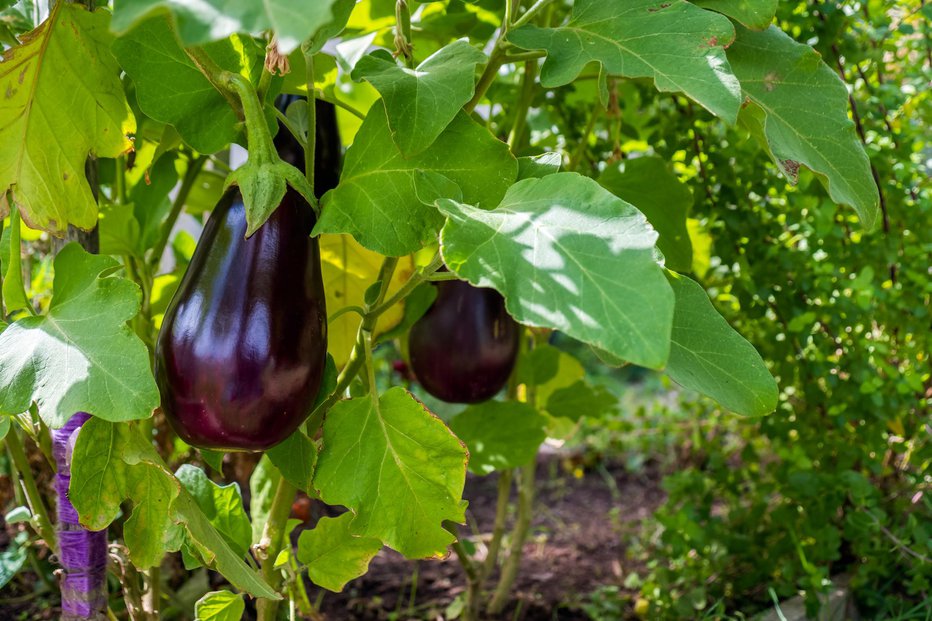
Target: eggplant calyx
[[263, 178]]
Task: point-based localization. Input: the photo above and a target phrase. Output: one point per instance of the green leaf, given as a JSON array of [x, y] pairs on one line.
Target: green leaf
[[756, 14], [221, 504], [295, 459], [385, 201], [648, 184], [214, 550], [333, 555], [580, 399], [799, 106], [113, 463], [262, 485], [421, 103], [171, 89], [398, 467], [568, 255], [499, 434], [55, 112], [74, 360], [220, 606], [538, 365], [539, 165], [13, 557], [341, 10], [14, 296], [710, 357], [210, 20], [4, 427], [212, 458], [677, 44]]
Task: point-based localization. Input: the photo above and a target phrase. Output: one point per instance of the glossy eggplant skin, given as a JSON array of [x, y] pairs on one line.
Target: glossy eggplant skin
[[464, 348], [243, 344]]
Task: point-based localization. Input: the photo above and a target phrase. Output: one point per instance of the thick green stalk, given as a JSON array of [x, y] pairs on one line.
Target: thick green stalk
[[273, 537], [40, 512]]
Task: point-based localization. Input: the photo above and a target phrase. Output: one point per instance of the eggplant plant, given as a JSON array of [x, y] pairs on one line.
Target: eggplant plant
[[461, 128]]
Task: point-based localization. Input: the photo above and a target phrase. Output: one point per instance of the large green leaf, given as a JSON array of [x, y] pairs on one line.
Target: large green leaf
[[171, 89], [113, 463], [756, 14], [333, 555], [421, 102], [499, 434], [680, 46], [568, 255], [648, 184], [384, 200], [81, 357], [799, 107], [62, 100], [396, 466], [710, 357], [210, 20]]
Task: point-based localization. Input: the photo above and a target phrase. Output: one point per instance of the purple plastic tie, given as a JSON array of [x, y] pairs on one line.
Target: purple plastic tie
[[83, 553]]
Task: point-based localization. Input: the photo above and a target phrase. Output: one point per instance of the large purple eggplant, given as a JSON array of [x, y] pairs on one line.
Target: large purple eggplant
[[243, 344], [464, 348]]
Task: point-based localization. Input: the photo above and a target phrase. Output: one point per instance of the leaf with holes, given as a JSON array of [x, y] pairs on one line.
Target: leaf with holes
[[799, 109]]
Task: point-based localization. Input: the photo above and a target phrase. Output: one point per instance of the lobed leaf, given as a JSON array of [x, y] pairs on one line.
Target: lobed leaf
[[333, 555]]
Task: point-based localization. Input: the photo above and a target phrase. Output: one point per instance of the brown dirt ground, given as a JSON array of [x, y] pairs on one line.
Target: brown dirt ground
[[577, 543]]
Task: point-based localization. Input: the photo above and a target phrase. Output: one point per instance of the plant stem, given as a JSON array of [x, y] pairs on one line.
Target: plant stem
[[319, 94], [310, 142], [40, 512], [501, 518], [531, 13], [213, 72], [272, 540], [410, 285], [190, 176], [151, 596], [403, 32], [519, 534], [524, 104]]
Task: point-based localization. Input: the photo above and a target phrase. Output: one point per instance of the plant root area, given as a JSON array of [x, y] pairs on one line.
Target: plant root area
[[583, 523]]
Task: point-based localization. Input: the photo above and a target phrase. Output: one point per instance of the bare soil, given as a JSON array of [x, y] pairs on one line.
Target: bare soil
[[578, 542]]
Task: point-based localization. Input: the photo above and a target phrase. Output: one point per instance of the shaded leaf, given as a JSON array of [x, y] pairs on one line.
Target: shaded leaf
[[710, 357], [295, 459], [756, 14], [499, 434], [648, 184]]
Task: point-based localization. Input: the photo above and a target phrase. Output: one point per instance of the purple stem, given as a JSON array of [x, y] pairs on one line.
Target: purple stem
[[83, 554]]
